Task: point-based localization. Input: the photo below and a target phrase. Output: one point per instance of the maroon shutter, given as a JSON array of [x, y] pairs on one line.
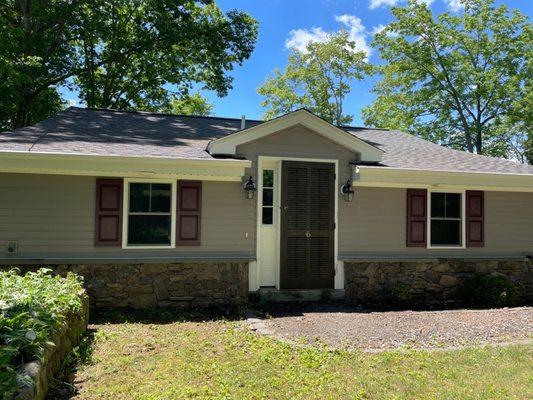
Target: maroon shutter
[[108, 212], [189, 213], [416, 217], [475, 211]]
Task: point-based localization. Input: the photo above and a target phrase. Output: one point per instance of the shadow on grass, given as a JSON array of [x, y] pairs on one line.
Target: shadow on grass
[[62, 386], [164, 315]]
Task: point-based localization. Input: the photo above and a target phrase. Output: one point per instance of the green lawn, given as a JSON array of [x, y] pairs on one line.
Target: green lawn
[[222, 360]]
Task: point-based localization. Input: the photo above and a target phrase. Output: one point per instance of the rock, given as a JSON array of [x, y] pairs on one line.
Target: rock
[[448, 281], [139, 289]]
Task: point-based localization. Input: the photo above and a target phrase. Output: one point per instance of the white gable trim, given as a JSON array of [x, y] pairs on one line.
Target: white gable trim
[[228, 144]]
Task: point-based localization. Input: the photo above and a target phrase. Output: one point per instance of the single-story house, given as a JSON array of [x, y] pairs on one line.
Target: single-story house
[[156, 209]]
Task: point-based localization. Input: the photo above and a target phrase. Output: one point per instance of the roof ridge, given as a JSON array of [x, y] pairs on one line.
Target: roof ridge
[[160, 114], [365, 127]]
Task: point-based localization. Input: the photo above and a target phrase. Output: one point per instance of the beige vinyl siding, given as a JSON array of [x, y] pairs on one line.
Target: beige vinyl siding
[[374, 225], [298, 142], [53, 215]]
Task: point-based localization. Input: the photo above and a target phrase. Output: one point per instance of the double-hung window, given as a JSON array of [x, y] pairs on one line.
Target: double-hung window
[[446, 222], [149, 214], [268, 197]]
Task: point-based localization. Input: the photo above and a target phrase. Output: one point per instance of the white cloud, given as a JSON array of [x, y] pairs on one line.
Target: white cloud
[[377, 29], [299, 38], [380, 3], [380, 28], [455, 5], [356, 30], [428, 2]]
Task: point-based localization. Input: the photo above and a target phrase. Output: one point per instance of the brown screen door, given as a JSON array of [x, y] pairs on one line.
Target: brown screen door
[[307, 225]]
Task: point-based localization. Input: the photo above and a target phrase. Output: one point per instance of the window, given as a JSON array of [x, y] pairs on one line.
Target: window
[[268, 197], [150, 214], [446, 219]]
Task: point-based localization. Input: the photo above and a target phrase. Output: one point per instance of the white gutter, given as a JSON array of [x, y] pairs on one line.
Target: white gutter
[[122, 166], [373, 176]]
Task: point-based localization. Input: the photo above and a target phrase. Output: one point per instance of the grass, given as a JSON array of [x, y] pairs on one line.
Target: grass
[[219, 359]]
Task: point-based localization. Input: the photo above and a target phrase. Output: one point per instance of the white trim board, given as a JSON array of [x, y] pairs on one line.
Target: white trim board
[[227, 145], [367, 176], [114, 166]]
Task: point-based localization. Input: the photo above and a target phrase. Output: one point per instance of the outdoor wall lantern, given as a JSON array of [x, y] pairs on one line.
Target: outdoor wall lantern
[[347, 191], [249, 188]]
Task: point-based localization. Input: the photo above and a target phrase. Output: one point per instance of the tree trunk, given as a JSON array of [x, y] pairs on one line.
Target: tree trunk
[[479, 141], [23, 108]]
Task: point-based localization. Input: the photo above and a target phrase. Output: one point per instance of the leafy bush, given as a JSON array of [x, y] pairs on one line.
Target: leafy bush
[[485, 290], [33, 307], [400, 296]]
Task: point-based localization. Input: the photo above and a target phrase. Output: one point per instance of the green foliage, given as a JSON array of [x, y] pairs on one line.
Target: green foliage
[[33, 308], [401, 294], [132, 50], [318, 80], [34, 57], [458, 80], [193, 104], [124, 54], [485, 290]]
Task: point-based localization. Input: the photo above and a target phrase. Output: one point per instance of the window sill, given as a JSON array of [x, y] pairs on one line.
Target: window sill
[[147, 247], [458, 247]]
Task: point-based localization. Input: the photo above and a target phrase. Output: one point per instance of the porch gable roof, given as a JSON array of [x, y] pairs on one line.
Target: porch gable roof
[[227, 145]]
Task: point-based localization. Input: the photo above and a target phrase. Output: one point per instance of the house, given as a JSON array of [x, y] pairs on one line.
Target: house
[[167, 210]]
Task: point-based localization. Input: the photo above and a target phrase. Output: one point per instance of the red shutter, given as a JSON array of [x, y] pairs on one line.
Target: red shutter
[[416, 217], [189, 213], [475, 214], [108, 212]]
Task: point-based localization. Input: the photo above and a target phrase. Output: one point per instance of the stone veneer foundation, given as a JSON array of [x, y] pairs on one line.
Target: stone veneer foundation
[[146, 285], [429, 283]]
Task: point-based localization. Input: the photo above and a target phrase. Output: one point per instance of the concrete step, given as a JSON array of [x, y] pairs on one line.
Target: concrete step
[[282, 296]]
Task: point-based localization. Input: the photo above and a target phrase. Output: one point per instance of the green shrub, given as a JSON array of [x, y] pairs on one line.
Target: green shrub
[[485, 290], [33, 307], [401, 295]]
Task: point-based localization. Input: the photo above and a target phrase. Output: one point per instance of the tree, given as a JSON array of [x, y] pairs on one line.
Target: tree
[[528, 153], [193, 104], [318, 79], [133, 50], [35, 56], [124, 54], [458, 80]]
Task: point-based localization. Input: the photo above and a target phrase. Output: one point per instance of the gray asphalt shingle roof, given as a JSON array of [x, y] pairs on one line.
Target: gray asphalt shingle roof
[[106, 132], [119, 133]]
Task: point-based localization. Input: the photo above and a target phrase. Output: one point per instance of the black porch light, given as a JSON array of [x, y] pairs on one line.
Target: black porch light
[[347, 191], [249, 188]]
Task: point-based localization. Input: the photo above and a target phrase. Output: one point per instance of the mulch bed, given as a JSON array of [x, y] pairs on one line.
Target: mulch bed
[[340, 326]]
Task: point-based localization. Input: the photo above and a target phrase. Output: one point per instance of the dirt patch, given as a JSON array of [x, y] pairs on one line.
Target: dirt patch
[[343, 327]]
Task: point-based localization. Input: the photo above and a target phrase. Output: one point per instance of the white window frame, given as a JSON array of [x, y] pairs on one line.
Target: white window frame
[[125, 213], [463, 219], [273, 188]]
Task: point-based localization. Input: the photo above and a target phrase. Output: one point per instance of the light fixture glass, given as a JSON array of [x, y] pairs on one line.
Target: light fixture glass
[[249, 188], [347, 191]]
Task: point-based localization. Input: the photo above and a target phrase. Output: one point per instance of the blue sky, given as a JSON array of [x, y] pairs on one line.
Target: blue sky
[[292, 22]]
